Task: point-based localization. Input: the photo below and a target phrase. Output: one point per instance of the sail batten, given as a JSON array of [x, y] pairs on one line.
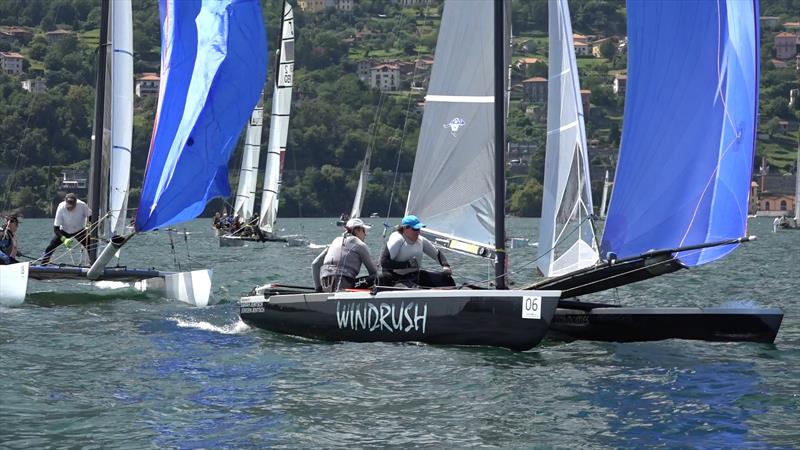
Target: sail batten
[[685, 163], [213, 69]]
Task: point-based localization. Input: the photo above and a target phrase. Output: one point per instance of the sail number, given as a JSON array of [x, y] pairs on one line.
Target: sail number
[[531, 307]]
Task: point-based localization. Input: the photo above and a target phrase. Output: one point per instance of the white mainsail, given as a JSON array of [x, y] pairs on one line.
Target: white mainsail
[[118, 122], [358, 200], [279, 123], [243, 205], [566, 236], [453, 182]]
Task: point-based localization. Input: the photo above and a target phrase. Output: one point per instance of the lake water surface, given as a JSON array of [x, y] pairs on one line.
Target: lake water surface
[[87, 367]]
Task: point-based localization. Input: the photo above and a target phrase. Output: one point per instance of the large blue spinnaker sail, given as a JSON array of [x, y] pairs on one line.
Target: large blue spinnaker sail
[[213, 68], [685, 164]]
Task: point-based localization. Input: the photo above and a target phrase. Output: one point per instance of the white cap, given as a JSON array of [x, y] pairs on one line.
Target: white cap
[[355, 223]]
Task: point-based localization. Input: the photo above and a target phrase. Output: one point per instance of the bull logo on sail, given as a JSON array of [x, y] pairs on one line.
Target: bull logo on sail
[[455, 125]]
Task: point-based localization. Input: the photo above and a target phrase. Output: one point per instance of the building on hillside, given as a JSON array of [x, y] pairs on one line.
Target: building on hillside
[[775, 195], [73, 181], [147, 85], [779, 64], [769, 22], [6, 38], [57, 35], [344, 5], [413, 3], [385, 77], [582, 48], [534, 90], [792, 26], [794, 98], [19, 33], [598, 43], [770, 204], [785, 45], [525, 65], [35, 85], [11, 62], [620, 84], [313, 5], [363, 69]]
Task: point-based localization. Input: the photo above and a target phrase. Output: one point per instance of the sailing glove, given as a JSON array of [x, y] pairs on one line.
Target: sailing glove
[[447, 270], [413, 263], [68, 242], [5, 258]]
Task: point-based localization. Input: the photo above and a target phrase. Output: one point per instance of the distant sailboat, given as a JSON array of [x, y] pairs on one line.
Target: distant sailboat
[[459, 162], [361, 189], [276, 150], [191, 142], [795, 223], [681, 189]]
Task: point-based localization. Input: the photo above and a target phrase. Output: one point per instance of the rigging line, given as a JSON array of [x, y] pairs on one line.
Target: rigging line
[[405, 127], [172, 247], [529, 263], [186, 241]]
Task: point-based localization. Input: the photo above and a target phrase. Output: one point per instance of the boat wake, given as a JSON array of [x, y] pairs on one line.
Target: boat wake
[[238, 327]]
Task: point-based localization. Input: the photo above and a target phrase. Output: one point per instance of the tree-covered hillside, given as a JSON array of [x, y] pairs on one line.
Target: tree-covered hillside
[[335, 115]]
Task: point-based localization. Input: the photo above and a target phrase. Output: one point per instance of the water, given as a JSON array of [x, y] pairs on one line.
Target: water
[[110, 368]]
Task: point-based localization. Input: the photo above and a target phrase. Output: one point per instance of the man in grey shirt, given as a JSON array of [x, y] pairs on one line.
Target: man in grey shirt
[[337, 267]]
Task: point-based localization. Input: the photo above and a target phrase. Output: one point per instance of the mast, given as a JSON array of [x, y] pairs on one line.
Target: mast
[[499, 147], [95, 174]]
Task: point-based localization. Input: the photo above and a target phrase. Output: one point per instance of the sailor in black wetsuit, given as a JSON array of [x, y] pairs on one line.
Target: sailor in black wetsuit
[[8, 241]]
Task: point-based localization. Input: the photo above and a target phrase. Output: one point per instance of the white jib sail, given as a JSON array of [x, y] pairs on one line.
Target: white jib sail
[[566, 240], [279, 123], [243, 205], [453, 186]]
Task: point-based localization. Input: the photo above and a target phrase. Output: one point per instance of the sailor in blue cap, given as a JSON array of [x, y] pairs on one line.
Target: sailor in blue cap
[[402, 255]]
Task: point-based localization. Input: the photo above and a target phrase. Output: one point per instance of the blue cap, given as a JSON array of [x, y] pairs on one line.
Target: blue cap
[[412, 221]]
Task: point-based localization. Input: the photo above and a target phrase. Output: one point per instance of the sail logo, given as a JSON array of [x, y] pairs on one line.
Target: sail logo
[[454, 125], [369, 317]]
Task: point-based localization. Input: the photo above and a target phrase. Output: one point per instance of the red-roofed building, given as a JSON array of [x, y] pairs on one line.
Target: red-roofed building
[[785, 45], [147, 85], [11, 62], [385, 77], [535, 90]]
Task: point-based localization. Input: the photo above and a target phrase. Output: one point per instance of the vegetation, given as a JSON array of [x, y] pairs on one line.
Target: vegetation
[[335, 116]]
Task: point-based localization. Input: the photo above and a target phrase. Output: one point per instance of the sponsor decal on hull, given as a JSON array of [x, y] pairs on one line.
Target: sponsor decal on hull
[[382, 317]]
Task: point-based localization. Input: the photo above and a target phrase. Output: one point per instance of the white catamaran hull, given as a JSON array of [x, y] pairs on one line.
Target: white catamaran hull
[[13, 284]]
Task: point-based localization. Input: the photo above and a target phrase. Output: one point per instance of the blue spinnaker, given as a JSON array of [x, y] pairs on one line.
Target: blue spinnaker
[[213, 68], [688, 141]]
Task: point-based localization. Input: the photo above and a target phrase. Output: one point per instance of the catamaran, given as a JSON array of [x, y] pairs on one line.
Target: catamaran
[[682, 184], [192, 139], [261, 228], [462, 137]]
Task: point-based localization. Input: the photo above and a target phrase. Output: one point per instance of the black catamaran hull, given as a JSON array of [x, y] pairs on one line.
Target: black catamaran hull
[[239, 241], [517, 320], [621, 324]]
